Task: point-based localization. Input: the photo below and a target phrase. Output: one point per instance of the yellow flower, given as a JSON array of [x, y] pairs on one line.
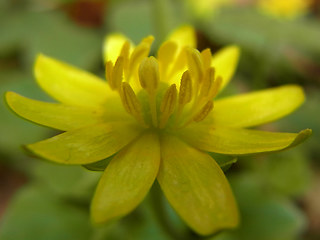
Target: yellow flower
[[285, 8], [155, 118], [205, 8]]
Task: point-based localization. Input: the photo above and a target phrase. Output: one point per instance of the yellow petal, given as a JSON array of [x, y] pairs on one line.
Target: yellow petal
[[240, 141], [256, 108], [196, 187], [70, 85], [86, 145], [55, 115], [184, 36], [127, 179], [112, 46], [225, 63]]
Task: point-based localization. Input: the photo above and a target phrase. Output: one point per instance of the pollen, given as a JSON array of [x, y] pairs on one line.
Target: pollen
[[151, 95]]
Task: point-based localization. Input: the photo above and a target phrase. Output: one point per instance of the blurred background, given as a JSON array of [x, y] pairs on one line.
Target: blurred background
[[278, 194]]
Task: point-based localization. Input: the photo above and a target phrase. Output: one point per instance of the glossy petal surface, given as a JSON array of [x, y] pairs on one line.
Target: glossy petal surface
[[55, 115], [86, 145], [112, 46], [257, 108], [240, 141], [70, 85], [127, 179], [225, 63], [184, 36], [196, 187]]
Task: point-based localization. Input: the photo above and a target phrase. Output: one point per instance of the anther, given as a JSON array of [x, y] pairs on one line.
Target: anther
[[149, 74], [117, 73], [207, 83], [206, 57], [185, 93], [215, 87], [149, 79], [206, 109], [130, 102], [125, 52], [168, 105], [195, 64], [109, 69]]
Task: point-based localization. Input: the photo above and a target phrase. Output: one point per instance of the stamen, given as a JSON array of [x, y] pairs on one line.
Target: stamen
[[215, 87], [185, 93], [206, 109], [117, 73], [168, 105], [131, 102], [149, 79], [125, 51], [195, 64], [206, 57], [149, 74], [207, 83], [109, 69]]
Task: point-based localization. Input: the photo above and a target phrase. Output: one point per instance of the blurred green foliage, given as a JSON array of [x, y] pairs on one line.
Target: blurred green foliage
[[54, 203]]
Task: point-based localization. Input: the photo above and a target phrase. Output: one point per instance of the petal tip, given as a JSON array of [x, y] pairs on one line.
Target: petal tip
[[301, 137], [95, 216], [10, 100], [39, 58]]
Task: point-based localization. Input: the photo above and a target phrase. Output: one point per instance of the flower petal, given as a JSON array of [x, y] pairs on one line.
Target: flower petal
[[184, 36], [256, 108], [127, 179], [70, 85], [55, 115], [86, 145], [225, 62], [240, 141], [196, 187], [112, 46]]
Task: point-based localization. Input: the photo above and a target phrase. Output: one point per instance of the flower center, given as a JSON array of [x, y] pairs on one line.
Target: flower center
[[158, 103]]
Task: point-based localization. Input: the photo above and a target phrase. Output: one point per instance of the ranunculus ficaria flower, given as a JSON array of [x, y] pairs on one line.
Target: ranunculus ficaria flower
[[157, 118]]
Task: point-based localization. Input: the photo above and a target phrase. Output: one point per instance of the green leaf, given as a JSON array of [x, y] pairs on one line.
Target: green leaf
[[100, 165], [224, 161], [36, 214], [33, 32], [66, 181], [263, 215], [288, 173], [130, 17]]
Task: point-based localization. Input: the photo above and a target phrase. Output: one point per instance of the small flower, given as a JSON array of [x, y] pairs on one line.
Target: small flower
[[206, 8], [285, 8], [156, 118]]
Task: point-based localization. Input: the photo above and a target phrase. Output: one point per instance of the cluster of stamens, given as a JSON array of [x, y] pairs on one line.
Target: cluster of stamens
[[197, 87]]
